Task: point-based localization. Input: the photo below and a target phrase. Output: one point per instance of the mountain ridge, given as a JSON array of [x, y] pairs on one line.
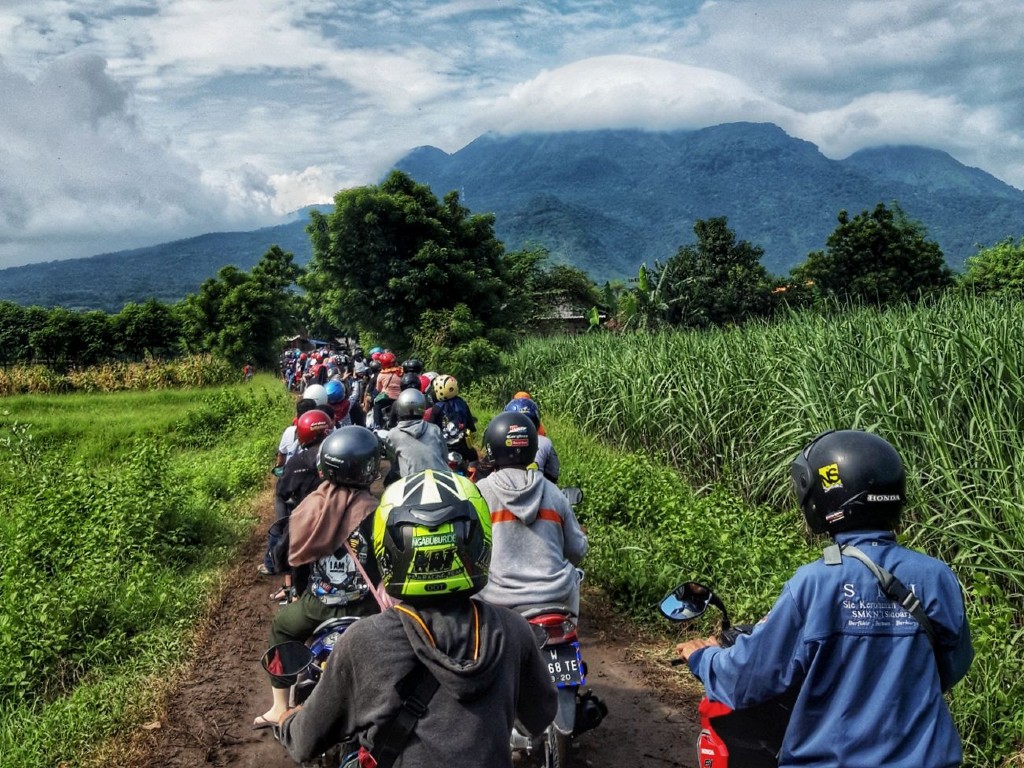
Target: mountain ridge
[[605, 201]]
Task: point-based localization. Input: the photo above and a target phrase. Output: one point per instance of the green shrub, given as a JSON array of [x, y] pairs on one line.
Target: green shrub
[[104, 560]]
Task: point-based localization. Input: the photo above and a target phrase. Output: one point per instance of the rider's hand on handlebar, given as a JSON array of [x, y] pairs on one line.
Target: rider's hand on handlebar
[[685, 650]]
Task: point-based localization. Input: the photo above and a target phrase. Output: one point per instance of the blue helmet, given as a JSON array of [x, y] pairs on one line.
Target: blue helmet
[[335, 391], [524, 405]]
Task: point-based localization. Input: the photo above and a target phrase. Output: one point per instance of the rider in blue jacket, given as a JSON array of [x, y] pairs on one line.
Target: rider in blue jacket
[[868, 681]]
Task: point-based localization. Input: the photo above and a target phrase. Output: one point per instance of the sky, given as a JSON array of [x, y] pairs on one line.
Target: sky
[[126, 123]]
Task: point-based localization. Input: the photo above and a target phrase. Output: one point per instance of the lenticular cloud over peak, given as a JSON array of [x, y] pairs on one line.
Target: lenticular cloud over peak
[[631, 92]]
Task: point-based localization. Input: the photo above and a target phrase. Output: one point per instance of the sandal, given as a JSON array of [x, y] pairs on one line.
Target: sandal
[[281, 595], [262, 570]]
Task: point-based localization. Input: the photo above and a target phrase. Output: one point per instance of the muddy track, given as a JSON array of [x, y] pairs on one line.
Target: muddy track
[[207, 714]]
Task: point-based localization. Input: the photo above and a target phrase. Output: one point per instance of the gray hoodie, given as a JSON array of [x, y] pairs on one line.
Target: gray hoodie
[[469, 719], [536, 541], [417, 445]]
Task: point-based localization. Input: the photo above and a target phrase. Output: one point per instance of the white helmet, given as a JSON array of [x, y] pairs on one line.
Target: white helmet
[[316, 392]]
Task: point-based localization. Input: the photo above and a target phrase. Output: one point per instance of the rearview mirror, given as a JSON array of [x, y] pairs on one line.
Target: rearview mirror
[[686, 602], [574, 495]]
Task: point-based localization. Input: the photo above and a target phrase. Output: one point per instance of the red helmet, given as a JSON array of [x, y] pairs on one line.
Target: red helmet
[[387, 358], [302, 356], [312, 427]]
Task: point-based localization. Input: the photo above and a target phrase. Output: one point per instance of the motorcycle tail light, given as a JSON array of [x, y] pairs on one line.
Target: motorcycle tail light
[[554, 628]]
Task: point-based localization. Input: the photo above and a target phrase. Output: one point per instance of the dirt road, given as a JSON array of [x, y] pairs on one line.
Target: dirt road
[[209, 713]]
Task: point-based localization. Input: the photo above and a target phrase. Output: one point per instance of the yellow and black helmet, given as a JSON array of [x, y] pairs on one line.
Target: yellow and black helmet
[[445, 387], [432, 537]]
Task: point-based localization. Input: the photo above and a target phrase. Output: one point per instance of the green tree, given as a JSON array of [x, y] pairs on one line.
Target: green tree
[[243, 316], [454, 341], [539, 290], [876, 257], [389, 253], [150, 328], [14, 334], [715, 281], [643, 307], [54, 341], [997, 270]]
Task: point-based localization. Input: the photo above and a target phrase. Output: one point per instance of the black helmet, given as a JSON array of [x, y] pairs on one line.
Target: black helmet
[[432, 537], [849, 480], [375, 367], [411, 404], [412, 366], [409, 381], [510, 440], [350, 456]]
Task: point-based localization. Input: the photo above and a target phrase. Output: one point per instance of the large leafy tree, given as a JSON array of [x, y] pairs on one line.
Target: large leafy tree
[[538, 290], [389, 253], [67, 338], [14, 334], [715, 281], [876, 257], [997, 270], [150, 328], [242, 316]]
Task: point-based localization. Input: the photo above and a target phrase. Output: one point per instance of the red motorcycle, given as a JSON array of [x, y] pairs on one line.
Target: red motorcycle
[[744, 738]]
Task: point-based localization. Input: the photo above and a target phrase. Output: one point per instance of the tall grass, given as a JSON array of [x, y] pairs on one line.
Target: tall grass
[[118, 511], [944, 383], [148, 375]]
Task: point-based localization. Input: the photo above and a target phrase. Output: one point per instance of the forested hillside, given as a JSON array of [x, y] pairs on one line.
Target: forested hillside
[[603, 201], [607, 201]]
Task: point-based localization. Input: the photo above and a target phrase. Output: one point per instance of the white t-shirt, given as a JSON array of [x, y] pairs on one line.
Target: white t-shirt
[[289, 444]]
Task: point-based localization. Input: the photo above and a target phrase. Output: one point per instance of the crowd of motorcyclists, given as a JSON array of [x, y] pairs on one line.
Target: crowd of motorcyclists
[[377, 503], [463, 536]]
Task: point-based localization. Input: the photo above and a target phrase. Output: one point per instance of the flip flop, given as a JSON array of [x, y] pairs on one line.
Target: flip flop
[[261, 722]]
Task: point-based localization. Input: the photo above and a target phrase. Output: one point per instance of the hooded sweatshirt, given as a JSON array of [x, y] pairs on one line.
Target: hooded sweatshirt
[[488, 678], [417, 445], [536, 540]]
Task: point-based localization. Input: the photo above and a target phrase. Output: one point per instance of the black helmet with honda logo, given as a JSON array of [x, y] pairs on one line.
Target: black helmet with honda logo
[[849, 480], [510, 440]]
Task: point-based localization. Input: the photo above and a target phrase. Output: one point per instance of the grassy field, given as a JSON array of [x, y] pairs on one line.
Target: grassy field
[[120, 510], [682, 442]]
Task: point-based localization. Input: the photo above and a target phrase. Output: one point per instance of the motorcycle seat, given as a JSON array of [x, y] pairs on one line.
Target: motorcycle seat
[[531, 611]]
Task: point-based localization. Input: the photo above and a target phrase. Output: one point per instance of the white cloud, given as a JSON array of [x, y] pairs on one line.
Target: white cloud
[[215, 113], [76, 166], [630, 92]]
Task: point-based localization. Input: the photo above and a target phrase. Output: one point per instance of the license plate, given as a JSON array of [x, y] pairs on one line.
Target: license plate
[[564, 664]]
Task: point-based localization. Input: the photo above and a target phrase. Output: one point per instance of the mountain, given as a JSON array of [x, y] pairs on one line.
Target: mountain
[[605, 201], [608, 200], [166, 272]]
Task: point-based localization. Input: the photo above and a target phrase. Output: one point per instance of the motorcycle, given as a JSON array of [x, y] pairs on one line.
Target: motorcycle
[[579, 710], [301, 665], [728, 738]]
